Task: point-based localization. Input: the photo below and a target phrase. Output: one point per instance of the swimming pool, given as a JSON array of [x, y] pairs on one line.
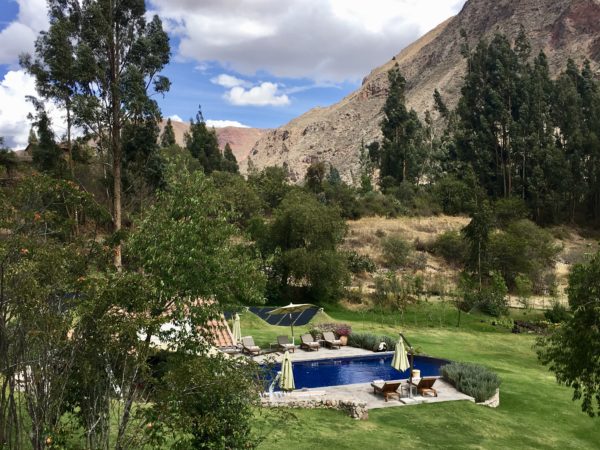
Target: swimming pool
[[357, 369]]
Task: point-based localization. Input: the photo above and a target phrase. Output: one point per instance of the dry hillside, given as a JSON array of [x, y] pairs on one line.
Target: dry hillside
[[562, 28], [365, 237], [241, 140]]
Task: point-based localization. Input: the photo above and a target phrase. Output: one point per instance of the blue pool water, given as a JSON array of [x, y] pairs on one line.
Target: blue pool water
[[358, 369]]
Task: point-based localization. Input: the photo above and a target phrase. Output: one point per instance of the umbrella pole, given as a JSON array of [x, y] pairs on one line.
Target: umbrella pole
[[292, 325], [412, 364]]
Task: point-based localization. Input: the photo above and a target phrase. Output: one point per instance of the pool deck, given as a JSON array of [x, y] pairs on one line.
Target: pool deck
[[323, 353], [362, 393]]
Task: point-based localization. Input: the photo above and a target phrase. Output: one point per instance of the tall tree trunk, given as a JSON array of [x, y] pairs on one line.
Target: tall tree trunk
[[116, 136], [71, 162]]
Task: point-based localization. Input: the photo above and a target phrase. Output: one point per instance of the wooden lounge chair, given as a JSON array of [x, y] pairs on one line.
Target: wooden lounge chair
[[330, 340], [309, 343], [249, 346], [386, 388], [425, 386], [284, 344]]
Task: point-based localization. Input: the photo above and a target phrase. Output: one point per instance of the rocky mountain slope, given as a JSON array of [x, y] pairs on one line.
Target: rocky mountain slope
[[562, 28], [241, 140]]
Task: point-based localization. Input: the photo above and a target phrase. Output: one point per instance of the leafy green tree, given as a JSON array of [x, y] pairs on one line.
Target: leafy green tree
[[304, 237], [42, 259], [333, 177], [118, 57], [239, 197], [167, 137], [186, 261], [395, 251], [271, 184], [571, 350], [485, 114], [203, 144], [46, 154], [402, 149], [315, 177], [54, 65], [143, 164], [477, 233], [193, 231], [229, 163], [207, 402], [7, 159], [522, 248]]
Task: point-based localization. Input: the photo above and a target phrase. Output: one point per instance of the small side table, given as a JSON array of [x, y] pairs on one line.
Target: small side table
[[407, 387]]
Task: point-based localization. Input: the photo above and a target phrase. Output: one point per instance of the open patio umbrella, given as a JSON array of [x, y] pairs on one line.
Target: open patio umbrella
[[237, 329], [286, 381], [291, 309], [400, 361]]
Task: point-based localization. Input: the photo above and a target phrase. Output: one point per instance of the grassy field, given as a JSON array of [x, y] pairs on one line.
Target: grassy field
[[535, 412]]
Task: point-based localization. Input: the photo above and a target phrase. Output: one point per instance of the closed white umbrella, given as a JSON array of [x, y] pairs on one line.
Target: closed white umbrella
[[400, 361], [237, 329], [286, 382]]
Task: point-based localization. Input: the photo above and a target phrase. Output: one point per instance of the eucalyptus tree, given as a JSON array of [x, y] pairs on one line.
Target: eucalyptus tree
[[101, 59], [203, 144], [167, 138], [54, 65], [402, 151]]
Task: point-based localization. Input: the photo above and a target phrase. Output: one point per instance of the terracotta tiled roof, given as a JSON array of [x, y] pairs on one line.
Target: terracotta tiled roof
[[220, 332]]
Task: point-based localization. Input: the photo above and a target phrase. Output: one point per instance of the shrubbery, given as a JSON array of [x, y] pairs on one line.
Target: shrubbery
[[370, 341], [490, 299], [557, 314], [453, 195], [451, 246], [523, 248], [358, 263], [508, 210], [377, 204], [472, 379], [396, 251]]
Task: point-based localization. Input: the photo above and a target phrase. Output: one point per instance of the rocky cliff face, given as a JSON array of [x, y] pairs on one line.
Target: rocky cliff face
[[241, 140], [562, 28]]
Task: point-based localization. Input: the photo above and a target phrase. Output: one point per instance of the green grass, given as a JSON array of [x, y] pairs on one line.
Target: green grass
[[535, 412]]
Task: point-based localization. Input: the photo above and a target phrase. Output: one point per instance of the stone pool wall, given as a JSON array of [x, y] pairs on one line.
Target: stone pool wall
[[493, 401], [356, 410]]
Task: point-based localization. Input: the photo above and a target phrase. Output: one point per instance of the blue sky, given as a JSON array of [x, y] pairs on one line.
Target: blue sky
[[257, 63]]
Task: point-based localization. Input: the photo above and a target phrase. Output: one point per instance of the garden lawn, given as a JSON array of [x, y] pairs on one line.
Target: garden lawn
[[534, 412]]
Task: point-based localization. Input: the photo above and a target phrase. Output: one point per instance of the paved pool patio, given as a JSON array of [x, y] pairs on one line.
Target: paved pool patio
[[362, 392]]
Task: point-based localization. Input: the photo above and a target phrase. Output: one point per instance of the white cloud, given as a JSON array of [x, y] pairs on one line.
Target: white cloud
[[225, 123], [265, 94], [325, 40], [14, 124], [175, 118], [19, 36], [229, 81]]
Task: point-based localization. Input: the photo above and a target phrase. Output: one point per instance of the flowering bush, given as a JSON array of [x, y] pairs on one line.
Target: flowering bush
[[340, 329], [343, 330]]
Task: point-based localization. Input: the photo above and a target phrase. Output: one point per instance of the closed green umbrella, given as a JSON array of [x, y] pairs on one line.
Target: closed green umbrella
[[237, 329], [286, 381], [400, 361]]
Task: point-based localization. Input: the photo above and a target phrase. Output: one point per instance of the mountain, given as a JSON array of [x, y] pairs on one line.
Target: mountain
[[241, 140], [562, 28]]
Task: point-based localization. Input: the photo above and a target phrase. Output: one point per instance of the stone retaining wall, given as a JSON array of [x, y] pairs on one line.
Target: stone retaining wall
[[356, 410], [493, 401]]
